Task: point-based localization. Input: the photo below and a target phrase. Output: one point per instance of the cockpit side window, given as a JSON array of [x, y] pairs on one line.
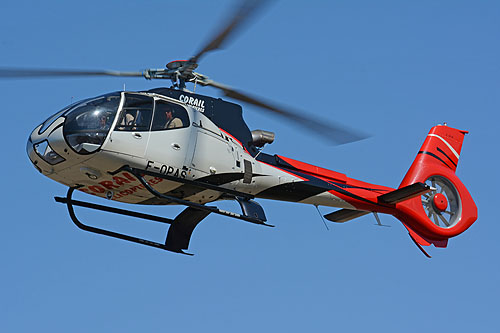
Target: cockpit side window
[[136, 114], [169, 116]]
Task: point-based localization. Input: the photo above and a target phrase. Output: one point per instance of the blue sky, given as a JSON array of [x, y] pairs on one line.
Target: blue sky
[[392, 69]]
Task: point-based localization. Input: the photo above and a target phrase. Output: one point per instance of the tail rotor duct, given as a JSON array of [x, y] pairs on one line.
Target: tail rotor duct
[[442, 205]]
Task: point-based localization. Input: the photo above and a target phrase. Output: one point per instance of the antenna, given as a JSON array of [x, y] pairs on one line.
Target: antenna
[[378, 221], [324, 222]]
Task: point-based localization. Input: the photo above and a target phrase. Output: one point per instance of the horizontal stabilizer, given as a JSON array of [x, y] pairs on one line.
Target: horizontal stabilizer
[[404, 193], [344, 215]]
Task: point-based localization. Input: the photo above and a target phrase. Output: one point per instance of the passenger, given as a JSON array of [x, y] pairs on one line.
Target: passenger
[[127, 121], [172, 122]]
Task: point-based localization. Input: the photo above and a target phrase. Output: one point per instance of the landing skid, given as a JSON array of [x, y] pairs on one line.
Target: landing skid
[[70, 203], [181, 227]]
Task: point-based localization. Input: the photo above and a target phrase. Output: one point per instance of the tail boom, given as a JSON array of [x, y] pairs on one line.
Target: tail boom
[[431, 201]]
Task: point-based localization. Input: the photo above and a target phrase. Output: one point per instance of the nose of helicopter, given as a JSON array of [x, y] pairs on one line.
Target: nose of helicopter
[[73, 134], [30, 150], [45, 145]]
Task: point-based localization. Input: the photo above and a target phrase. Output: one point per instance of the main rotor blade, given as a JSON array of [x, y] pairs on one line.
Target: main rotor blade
[[27, 73], [335, 133], [246, 9]]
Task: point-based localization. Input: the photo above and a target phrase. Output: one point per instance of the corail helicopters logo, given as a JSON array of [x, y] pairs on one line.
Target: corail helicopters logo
[[195, 103]]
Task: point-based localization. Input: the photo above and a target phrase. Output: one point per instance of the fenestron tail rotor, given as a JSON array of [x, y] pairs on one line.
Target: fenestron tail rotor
[[442, 205]]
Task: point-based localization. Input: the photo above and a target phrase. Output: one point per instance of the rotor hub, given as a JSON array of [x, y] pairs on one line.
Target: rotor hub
[[440, 202], [176, 64]]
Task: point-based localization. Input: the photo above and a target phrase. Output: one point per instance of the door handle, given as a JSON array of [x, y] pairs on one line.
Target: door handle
[[137, 135], [176, 146]]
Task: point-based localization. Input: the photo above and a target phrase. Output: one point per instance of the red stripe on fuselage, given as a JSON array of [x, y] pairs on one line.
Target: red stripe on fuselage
[[314, 170], [360, 194], [289, 172], [238, 141]]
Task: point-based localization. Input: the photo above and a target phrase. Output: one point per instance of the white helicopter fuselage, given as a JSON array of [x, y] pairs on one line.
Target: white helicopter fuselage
[[152, 149], [170, 146], [199, 151]]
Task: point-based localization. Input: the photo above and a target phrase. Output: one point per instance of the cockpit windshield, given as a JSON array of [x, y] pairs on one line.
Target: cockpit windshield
[[87, 123]]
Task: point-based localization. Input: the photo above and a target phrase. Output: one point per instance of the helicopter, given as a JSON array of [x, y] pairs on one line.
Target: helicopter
[[172, 146]]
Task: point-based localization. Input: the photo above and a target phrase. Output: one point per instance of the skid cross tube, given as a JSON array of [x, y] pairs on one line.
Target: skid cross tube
[[211, 209], [69, 203]]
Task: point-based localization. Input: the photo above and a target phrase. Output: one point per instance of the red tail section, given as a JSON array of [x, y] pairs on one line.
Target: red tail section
[[448, 210]]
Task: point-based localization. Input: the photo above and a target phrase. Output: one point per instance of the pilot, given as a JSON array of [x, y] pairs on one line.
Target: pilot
[[172, 122], [102, 122]]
